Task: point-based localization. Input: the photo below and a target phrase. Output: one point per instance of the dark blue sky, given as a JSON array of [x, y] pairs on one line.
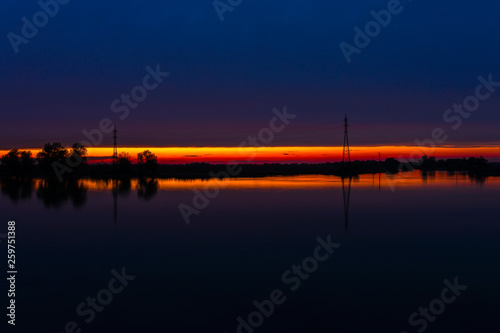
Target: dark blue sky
[[226, 77]]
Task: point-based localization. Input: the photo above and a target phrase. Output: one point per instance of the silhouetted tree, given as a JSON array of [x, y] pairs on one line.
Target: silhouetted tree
[[477, 164], [124, 162], [147, 161], [76, 159], [79, 150], [18, 162], [391, 165], [51, 153], [11, 162], [27, 162], [428, 163]]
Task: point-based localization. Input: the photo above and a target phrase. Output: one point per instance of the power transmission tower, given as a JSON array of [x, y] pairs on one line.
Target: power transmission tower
[[115, 147], [346, 154]]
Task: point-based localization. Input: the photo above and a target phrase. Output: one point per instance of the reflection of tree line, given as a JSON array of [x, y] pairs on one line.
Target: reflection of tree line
[[51, 193], [54, 194], [425, 175], [473, 177], [146, 188]]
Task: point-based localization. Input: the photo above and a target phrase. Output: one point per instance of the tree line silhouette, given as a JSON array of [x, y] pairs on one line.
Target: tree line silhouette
[[53, 155], [17, 163]]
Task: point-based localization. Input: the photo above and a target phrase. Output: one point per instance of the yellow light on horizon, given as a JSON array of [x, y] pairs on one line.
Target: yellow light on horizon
[[291, 153]]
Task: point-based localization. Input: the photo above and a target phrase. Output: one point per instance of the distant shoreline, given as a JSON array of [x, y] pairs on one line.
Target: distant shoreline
[[207, 170]]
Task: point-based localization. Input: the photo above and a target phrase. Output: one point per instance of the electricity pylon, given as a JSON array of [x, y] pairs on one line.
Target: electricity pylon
[[346, 154]]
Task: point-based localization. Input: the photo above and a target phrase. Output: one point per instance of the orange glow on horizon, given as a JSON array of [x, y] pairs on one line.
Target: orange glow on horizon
[[182, 155]]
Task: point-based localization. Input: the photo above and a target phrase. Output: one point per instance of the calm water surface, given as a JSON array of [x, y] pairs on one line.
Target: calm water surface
[[400, 238]]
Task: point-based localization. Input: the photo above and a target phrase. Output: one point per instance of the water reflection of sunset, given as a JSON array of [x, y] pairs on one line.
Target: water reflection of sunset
[[308, 182]]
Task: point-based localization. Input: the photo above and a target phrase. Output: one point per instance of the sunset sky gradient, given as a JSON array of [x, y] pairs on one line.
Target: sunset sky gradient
[[226, 77]]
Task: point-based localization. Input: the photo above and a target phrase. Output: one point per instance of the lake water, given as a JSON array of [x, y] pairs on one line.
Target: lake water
[[403, 236]]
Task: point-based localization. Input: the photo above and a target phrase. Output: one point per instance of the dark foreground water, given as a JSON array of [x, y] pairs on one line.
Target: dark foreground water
[[403, 238]]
